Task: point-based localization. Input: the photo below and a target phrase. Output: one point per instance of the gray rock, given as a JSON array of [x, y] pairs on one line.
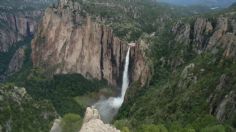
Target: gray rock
[[17, 61], [92, 123], [227, 107], [222, 101], [182, 32], [202, 28], [208, 35], [56, 126]]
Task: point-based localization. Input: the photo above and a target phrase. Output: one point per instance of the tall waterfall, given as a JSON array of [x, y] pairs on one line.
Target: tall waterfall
[[125, 81], [109, 108]]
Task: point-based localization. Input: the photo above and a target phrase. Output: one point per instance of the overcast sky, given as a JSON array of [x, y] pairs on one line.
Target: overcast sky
[[223, 3]]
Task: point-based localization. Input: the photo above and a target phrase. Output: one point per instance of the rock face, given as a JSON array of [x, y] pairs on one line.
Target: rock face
[[215, 35], [92, 123], [19, 19], [17, 61], [15, 26], [223, 100], [56, 126], [209, 35], [69, 41], [91, 114]]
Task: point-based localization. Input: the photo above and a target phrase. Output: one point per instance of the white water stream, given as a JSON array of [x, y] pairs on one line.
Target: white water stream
[[109, 108]]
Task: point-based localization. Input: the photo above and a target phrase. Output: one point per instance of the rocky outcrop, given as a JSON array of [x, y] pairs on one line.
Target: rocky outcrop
[[91, 114], [209, 35], [182, 32], [69, 41], [17, 61], [140, 66], [216, 36], [223, 100], [92, 123], [227, 107], [56, 126]]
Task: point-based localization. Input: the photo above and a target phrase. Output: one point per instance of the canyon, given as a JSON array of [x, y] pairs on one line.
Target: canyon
[[180, 73]]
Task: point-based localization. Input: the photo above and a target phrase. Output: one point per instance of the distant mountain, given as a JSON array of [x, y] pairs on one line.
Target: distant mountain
[[220, 3]]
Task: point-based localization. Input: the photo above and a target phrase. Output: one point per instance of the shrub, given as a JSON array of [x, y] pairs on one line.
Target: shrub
[[71, 123], [153, 128], [216, 128]]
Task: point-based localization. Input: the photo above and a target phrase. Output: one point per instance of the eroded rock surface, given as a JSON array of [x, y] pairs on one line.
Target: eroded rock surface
[[15, 26], [223, 100], [19, 19], [92, 123], [209, 35], [17, 61], [69, 41]]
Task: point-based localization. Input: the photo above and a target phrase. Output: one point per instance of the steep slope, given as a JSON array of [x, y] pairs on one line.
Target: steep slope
[[18, 23], [15, 26], [19, 112], [69, 41], [18, 20], [13, 60], [193, 87]]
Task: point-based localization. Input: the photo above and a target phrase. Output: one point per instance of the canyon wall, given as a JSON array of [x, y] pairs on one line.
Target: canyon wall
[[19, 19], [15, 26], [70, 41]]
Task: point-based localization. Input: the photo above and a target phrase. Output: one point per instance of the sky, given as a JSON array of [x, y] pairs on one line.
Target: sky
[[220, 3]]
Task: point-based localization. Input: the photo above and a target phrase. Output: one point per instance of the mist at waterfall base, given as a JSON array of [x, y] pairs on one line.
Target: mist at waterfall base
[[109, 108]]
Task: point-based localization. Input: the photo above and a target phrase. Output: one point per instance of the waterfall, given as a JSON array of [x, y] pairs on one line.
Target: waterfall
[[125, 81], [109, 108]]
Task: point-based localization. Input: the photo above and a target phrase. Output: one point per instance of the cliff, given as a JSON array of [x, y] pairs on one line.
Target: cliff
[[19, 19], [70, 41], [15, 26]]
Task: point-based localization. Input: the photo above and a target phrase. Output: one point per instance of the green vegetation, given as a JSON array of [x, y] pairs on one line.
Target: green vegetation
[[131, 19], [182, 96], [178, 98], [60, 90], [61, 93], [71, 123], [152, 128], [20, 112]]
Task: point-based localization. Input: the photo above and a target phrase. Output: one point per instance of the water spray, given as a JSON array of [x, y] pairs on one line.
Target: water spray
[[109, 108]]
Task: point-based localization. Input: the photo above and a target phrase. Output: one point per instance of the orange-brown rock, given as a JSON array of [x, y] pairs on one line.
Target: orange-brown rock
[[69, 41]]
